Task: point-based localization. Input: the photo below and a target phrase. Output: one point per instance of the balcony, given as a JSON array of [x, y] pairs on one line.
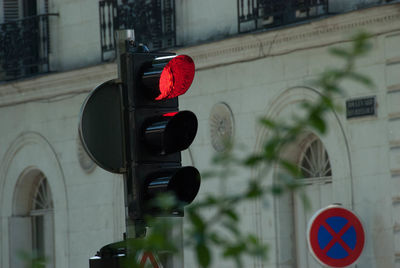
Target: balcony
[[152, 20], [261, 14], [24, 47]]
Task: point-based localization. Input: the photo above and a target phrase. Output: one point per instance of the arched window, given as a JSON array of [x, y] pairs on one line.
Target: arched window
[[314, 163], [315, 193], [31, 226], [42, 221]]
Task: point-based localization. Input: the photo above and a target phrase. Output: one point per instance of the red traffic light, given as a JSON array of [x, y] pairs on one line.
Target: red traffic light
[[176, 77], [169, 76]]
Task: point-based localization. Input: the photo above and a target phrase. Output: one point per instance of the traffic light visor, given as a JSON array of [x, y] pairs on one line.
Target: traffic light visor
[[176, 77]]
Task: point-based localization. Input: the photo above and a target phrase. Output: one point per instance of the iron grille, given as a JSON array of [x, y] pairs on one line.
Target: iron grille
[[24, 47], [259, 14], [152, 20]]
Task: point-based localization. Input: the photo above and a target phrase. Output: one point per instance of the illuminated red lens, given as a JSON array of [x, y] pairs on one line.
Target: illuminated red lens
[[176, 77]]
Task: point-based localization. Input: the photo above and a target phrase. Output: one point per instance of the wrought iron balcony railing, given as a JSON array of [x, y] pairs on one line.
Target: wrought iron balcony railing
[[152, 20], [24, 47], [259, 14]]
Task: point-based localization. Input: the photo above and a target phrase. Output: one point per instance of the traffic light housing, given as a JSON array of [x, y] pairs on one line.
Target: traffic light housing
[[156, 132]]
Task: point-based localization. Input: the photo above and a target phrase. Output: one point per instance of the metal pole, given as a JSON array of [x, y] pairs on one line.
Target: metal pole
[[135, 225], [110, 256], [123, 37], [134, 228]]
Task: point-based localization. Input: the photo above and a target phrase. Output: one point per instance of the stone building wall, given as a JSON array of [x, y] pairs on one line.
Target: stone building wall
[[269, 74], [257, 74]]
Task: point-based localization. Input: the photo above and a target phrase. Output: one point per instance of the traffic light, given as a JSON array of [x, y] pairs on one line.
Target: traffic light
[[156, 132]]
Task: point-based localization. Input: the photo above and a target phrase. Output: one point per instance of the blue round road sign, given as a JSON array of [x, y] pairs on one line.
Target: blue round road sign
[[336, 236]]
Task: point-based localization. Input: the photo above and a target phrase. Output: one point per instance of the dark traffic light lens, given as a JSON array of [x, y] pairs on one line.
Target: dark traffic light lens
[[180, 132], [183, 183], [176, 77], [172, 132]]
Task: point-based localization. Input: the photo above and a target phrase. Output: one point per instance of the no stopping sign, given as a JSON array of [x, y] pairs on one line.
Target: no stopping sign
[[335, 236]]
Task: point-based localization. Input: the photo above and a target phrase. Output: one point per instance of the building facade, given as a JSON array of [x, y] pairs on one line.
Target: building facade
[[253, 59]]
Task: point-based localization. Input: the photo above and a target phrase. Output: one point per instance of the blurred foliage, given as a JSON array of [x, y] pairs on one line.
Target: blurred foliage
[[213, 223], [32, 260]]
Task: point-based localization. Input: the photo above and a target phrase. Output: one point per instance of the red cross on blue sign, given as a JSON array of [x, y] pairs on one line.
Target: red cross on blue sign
[[336, 236]]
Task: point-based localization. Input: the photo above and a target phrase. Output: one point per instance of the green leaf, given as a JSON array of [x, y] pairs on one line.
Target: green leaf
[[214, 237], [276, 189], [252, 239], [270, 148], [235, 250], [317, 122], [268, 122], [232, 227], [196, 220], [203, 255], [208, 174], [361, 44], [293, 169], [210, 200], [327, 101], [305, 200], [231, 214], [332, 88], [340, 52], [255, 190], [288, 181], [366, 81], [253, 160]]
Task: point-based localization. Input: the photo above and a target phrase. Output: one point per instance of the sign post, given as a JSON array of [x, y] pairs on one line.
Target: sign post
[[336, 237]]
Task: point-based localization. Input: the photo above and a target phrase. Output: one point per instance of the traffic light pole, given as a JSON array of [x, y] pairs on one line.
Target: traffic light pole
[[135, 226]]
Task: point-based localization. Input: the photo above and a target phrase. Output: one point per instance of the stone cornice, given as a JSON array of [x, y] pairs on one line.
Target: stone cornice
[[56, 84], [240, 48], [321, 32]]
